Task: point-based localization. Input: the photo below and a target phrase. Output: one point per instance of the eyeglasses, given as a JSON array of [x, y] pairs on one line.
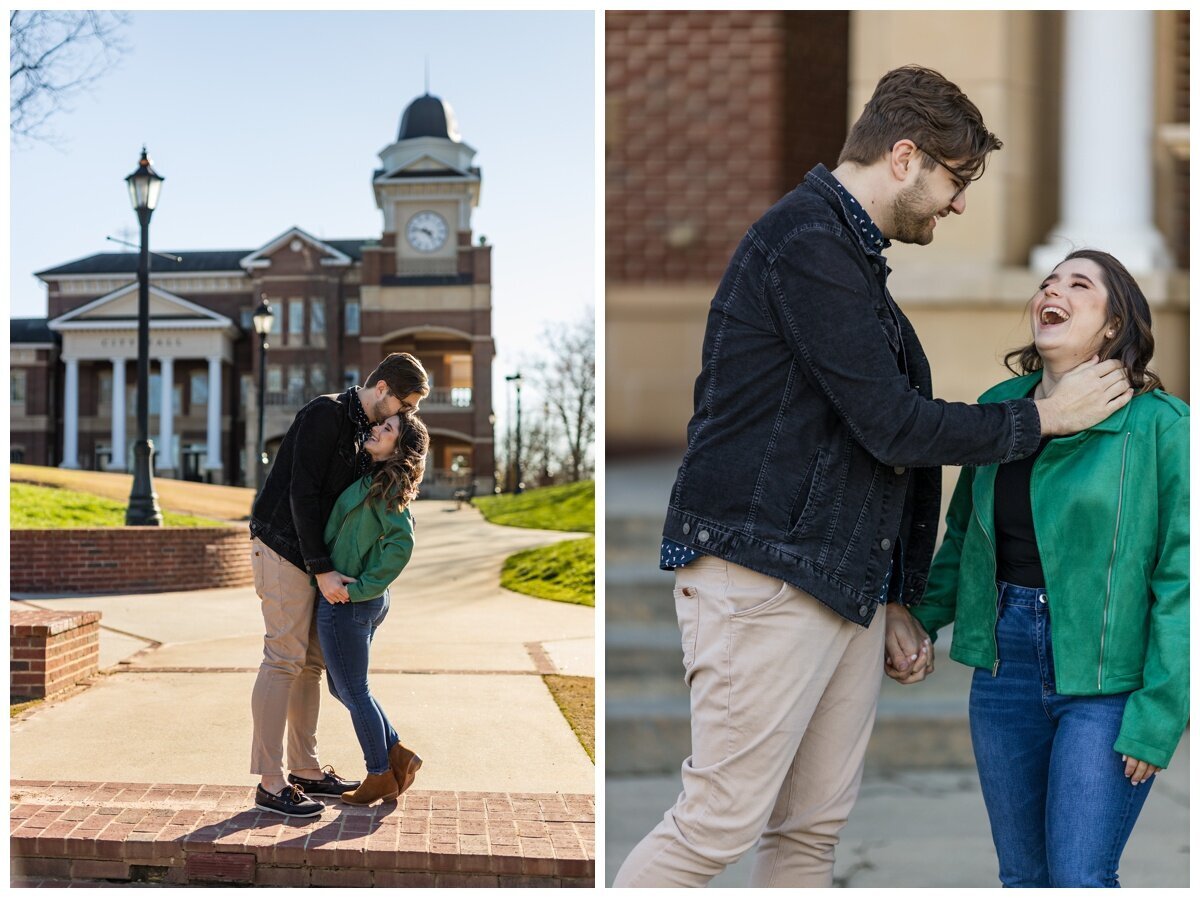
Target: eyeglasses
[[958, 178]]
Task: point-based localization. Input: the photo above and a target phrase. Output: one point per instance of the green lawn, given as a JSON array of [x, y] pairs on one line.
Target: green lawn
[[563, 572], [48, 508], [571, 506]]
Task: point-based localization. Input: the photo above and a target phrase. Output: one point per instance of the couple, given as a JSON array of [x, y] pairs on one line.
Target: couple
[[802, 526], [330, 531]]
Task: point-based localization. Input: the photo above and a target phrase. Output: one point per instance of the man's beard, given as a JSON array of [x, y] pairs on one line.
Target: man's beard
[[912, 215]]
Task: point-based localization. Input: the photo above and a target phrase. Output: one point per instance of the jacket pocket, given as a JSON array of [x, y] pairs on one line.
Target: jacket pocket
[[805, 501]]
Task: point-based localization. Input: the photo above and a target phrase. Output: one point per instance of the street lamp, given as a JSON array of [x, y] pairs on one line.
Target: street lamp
[[515, 379], [144, 186], [263, 321]]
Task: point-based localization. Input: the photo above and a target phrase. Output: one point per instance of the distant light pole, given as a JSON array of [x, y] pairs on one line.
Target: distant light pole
[[144, 186], [263, 321], [515, 379]]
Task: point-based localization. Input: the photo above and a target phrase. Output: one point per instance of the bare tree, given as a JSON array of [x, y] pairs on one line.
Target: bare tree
[[53, 55], [567, 382]]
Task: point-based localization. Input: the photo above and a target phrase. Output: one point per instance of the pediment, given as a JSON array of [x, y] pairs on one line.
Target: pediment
[[290, 241], [121, 306]]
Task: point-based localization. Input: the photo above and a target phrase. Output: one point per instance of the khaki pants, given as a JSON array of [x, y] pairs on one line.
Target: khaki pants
[[287, 693], [783, 695]]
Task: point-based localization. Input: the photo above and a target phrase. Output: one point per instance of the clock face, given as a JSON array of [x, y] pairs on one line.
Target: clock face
[[427, 231]]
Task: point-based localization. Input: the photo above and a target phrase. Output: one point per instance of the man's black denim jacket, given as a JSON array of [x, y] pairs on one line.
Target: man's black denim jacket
[[315, 463], [812, 448]]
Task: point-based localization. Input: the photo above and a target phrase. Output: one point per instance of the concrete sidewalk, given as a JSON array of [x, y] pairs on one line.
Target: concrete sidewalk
[[455, 666]]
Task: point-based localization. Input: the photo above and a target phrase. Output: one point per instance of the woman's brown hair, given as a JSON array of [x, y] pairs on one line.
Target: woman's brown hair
[[1129, 315], [396, 479]]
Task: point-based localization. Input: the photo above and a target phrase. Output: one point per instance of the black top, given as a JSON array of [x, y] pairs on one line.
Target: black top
[[1017, 558]]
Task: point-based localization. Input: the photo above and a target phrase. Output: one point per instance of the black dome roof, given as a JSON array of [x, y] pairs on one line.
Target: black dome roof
[[428, 116]]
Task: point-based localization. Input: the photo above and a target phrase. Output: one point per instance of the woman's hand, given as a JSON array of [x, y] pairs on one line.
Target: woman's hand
[[1137, 772], [908, 651]]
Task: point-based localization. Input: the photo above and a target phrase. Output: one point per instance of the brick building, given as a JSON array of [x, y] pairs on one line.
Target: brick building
[[340, 306], [712, 116]]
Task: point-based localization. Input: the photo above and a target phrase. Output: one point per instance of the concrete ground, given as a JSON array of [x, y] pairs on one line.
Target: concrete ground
[[455, 666]]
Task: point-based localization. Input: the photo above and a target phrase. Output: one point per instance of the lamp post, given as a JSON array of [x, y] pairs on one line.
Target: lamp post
[[144, 186], [515, 379], [263, 321]]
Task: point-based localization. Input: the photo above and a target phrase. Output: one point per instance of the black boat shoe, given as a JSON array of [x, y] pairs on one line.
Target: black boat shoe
[[330, 784], [291, 801]]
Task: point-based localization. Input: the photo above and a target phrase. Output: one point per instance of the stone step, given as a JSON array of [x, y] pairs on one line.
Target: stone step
[[213, 835]]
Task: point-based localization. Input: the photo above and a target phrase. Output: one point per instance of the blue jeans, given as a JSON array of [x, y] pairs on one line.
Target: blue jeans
[[1059, 804], [346, 631]]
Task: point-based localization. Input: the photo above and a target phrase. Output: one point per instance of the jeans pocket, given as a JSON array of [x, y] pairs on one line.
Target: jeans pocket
[[749, 593], [256, 565], [365, 613], [687, 609]]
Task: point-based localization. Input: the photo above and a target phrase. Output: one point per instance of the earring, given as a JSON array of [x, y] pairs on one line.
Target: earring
[[1109, 335]]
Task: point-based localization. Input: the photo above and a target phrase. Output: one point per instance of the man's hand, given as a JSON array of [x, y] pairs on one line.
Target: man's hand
[[1085, 396], [333, 587], [908, 651]]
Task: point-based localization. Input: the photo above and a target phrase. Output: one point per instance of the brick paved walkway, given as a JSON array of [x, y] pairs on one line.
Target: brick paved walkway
[[190, 835]]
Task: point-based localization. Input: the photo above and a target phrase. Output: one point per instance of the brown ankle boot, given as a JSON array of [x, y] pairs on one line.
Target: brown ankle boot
[[404, 763], [375, 787]]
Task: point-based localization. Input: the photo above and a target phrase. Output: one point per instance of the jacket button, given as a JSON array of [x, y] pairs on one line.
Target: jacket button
[[687, 528], [862, 610], [702, 536], [898, 469], [885, 544]]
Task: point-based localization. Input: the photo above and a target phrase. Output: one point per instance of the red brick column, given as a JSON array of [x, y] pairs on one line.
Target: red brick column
[[51, 650]]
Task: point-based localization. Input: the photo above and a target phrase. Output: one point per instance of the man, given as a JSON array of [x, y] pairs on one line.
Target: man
[[807, 496], [320, 456]]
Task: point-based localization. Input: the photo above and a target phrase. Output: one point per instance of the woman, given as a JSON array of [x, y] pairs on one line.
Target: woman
[[1085, 541], [370, 538]]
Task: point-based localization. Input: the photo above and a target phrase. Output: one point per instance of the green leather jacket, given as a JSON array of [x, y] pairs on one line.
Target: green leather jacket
[[367, 541], [1110, 510]]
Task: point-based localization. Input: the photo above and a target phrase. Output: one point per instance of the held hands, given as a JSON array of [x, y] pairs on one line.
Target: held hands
[[908, 651], [333, 587], [1137, 772], [1085, 396]]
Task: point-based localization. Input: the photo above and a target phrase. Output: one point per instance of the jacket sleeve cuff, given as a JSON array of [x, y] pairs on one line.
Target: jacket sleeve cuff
[[321, 565], [1027, 428]]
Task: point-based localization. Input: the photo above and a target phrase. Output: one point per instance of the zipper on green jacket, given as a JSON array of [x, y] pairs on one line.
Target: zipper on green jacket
[[996, 622], [1112, 561]]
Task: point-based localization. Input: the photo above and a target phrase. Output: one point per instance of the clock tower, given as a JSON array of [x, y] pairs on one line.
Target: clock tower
[[427, 290]]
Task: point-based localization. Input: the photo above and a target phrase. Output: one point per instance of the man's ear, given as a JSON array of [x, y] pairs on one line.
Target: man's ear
[[902, 160]]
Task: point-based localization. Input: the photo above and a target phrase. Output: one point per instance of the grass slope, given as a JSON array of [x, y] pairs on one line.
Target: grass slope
[[49, 508], [571, 506], [563, 572]]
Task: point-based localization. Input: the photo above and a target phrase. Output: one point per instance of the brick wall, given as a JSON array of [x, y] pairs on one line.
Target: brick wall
[[129, 559], [51, 650]]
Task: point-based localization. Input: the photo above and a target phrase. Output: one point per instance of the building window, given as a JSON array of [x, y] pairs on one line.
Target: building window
[[274, 378], [276, 320], [199, 387], [353, 323], [295, 322], [351, 378], [16, 455], [316, 377], [247, 319], [316, 322], [295, 385], [154, 399], [17, 388]]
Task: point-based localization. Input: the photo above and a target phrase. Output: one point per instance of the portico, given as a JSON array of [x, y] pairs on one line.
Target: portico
[[100, 340]]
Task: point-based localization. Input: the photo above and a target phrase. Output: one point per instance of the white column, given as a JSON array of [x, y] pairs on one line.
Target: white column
[[214, 414], [71, 415], [118, 416], [163, 457], [1107, 127]]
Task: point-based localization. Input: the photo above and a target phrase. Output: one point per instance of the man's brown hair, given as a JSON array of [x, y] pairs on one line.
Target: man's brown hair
[[402, 373], [921, 105]]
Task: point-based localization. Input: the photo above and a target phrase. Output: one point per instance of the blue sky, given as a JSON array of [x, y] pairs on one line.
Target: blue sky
[[261, 121]]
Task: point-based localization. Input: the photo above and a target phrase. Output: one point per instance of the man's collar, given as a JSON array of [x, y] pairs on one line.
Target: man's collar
[[358, 414], [855, 215]]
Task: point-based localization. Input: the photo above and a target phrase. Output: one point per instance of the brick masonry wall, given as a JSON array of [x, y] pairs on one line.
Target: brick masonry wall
[[129, 559], [51, 650]]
